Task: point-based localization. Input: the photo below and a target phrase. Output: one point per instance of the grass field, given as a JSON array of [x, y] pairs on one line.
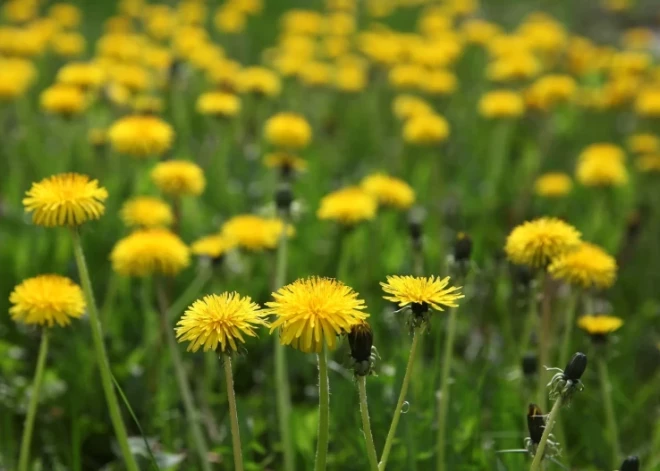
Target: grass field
[[513, 146]]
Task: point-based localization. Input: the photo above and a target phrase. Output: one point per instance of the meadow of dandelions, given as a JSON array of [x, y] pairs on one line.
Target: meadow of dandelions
[[329, 235]]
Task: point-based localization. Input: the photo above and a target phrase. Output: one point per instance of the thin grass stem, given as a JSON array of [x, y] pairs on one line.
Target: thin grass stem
[[233, 415], [537, 464], [443, 399], [324, 412], [366, 423]]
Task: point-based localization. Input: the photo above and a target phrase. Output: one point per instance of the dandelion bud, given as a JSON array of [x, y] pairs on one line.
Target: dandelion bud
[[529, 364], [575, 367], [416, 225], [630, 464], [284, 197], [535, 423], [462, 247], [360, 340]]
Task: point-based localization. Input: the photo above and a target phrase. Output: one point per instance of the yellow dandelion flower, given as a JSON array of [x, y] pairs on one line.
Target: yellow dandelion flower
[[348, 206], [420, 292], [213, 246], [81, 74], [146, 211], [63, 99], [16, 75], [599, 325], [648, 163], [588, 266], [648, 102], [260, 81], [219, 104], [439, 82], [141, 136], [147, 104], [46, 300], [388, 190], [311, 312], [253, 233], [551, 90], [218, 323], [553, 185], [66, 15], [409, 106], [537, 242], [288, 131], [501, 104], [179, 177], [285, 161], [229, 19], [67, 199], [602, 169], [644, 143], [97, 137], [425, 129], [150, 251], [68, 44]]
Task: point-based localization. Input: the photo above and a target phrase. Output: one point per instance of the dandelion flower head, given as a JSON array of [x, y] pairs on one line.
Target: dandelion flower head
[[285, 161], [146, 211], [501, 104], [67, 199], [141, 136], [179, 177], [426, 129], [553, 185], [213, 246], [63, 99], [421, 292], [220, 322], [254, 233], [348, 206], [644, 143], [388, 190], [46, 300], [311, 312], [150, 251], [602, 165], [537, 242], [599, 324], [288, 131], [220, 104], [588, 266]]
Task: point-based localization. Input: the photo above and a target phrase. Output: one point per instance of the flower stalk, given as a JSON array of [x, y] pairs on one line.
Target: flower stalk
[[568, 330], [402, 396], [102, 356], [443, 399], [537, 464], [324, 412], [24, 456], [366, 423], [233, 414], [612, 428]]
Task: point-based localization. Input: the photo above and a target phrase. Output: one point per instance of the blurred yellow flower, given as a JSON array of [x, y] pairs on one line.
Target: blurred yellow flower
[[389, 191], [599, 324], [350, 78], [630, 62], [648, 163], [65, 100], [260, 81], [637, 38], [589, 266], [66, 14], [285, 161], [179, 177], [550, 90], [288, 131], [409, 106], [617, 5], [132, 76], [253, 232], [439, 82], [553, 185], [219, 104], [213, 246], [146, 212], [316, 74], [306, 22], [224, 74], [147, 104], [643, 143], [67, 199], [218, 323], [251, 7], [68, 44], [536, 243], [122, 47], [46, 300], [348, 206], [81, 74], [97, 137], [339, 24], [420, 293], [501, 104], [161, 24], [312, 312], [229, 19], [514, 66], [141, 136], [147, 252], [478, 31], [20, 11], [425, 129], [543, 33], [647, 103], [406, 76], [602, 165], [16, 75]]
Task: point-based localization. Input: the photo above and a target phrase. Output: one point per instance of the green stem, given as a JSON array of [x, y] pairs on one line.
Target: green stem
[[545, 340], [549, 424], [366, 423], [612, 428], [192, 415], [443, 399], [568, 330], [324, 412], [24, 457], [530, 321], [233, 415], [102, 356], [399, 404], [282, 392]]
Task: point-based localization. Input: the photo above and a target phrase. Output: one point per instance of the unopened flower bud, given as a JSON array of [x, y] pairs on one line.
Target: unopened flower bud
[[535, 423], [575, 367], [630, 464], [462, 247], [284, 197], [530, 364]]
